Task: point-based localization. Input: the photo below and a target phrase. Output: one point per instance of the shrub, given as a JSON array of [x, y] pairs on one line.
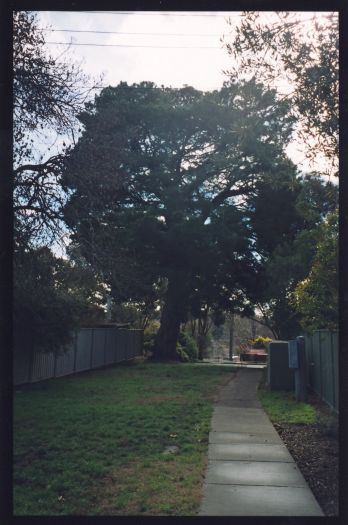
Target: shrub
[[181, 353], [260, 342], [186, 347], [149, 340]]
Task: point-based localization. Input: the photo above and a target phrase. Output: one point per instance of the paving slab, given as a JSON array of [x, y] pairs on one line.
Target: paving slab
[[221, 424], [278, 474], [236, 500], [240, 413], [244, 437], [249, 420], [248, 452]]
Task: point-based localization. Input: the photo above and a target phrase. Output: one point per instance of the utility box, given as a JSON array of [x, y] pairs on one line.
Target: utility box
[[293, 354], [280, 376]]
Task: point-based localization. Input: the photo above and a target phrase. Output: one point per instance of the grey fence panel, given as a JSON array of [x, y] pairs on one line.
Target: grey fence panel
[[98, 349], [129, 343], [121, 342], [83, 349], [335, 364], [110, 346], [139, 342], [326, 367], [21, 365], [322, 355], [317, 382], [65, 361], [43, 366], [309, 359]]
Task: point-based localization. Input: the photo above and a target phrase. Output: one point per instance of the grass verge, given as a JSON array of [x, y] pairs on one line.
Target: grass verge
[[94, 444], [282, 406]]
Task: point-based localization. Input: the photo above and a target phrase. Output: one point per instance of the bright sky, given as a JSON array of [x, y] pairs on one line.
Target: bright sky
[[168, 48], [172, 50]]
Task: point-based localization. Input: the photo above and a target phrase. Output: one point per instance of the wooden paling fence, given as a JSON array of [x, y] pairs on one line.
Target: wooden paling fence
[[91, 348]]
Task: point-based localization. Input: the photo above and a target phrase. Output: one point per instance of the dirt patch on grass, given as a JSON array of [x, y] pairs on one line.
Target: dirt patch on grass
[[159, 488], [154, 400]]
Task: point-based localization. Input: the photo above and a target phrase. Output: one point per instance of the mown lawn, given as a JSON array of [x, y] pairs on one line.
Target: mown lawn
[[94, 443]]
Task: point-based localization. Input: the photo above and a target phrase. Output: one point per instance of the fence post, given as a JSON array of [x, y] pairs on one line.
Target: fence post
[[334, 400], [31, 362], [105, 339], [55, 362], [320, 366]]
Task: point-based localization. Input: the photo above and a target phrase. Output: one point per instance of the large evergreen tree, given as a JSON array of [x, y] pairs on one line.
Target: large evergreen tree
[[160, 182]]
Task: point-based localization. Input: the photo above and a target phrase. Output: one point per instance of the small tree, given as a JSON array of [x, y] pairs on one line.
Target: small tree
[[316, 297], [51, 298], [287, 248]]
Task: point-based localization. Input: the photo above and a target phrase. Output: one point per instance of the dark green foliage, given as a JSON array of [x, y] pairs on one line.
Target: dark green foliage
[[187, 347], [316, 297], [51, 299], [149, 341], [287, 249]]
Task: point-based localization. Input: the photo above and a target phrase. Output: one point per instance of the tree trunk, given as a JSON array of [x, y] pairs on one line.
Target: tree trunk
[[173, 314], [231, 337], [203, 329]]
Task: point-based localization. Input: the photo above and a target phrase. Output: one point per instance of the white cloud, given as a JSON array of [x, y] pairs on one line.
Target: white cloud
[[201, 68]]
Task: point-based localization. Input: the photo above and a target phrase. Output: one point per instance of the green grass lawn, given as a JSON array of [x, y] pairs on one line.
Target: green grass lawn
[[93, 443], [282, 407]]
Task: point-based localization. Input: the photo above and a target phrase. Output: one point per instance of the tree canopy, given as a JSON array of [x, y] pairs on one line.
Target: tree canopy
[[160, 181], [302, 53], [52, 297], [287, 222], [316, 297], [47, 94]]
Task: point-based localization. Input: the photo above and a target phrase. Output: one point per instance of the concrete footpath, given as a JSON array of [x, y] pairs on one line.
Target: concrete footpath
[[250, 471]]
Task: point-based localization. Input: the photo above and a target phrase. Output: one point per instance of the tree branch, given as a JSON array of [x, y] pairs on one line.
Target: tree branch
[[223, 195]]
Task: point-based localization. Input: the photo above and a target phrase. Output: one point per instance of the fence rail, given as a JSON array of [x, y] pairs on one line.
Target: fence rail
[[322, 365], [91, 348]]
